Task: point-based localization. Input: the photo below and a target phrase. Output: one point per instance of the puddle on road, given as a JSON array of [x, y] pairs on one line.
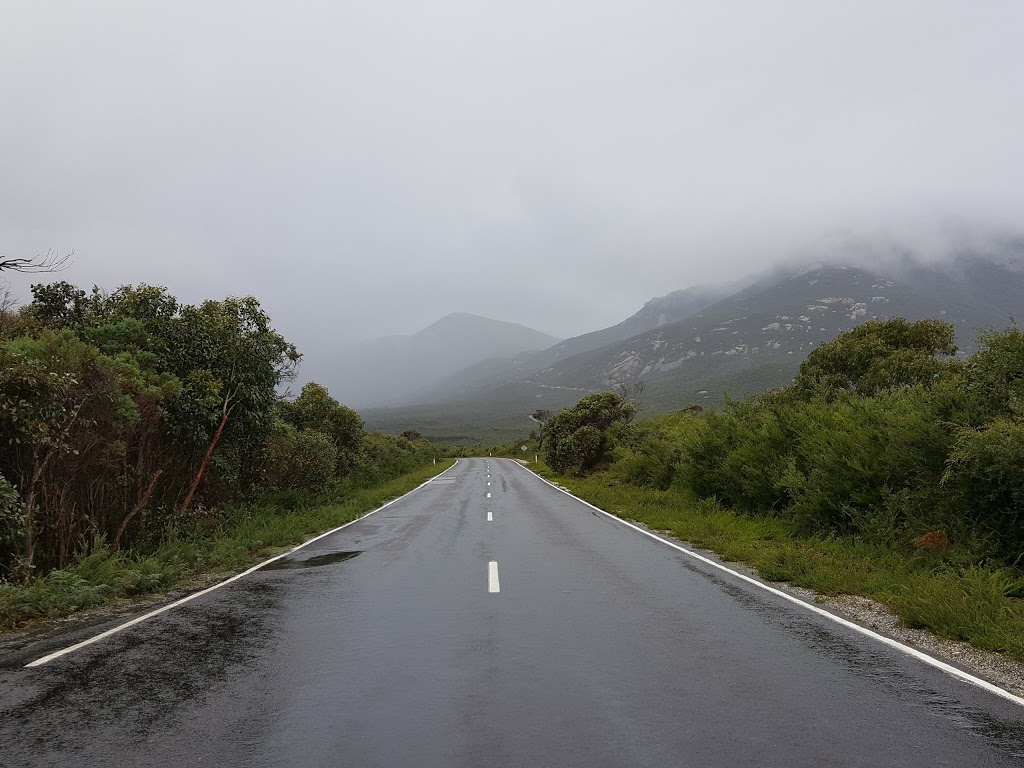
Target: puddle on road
[[312, 562]]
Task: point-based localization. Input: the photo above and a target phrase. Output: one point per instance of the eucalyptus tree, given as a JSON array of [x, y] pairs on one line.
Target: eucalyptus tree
[[230, 362]]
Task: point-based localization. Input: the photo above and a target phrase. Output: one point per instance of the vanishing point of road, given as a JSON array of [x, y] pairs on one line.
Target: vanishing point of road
[[488, 619]]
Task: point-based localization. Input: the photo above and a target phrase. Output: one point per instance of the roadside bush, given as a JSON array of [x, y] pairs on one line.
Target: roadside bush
[[857, 455], [384, 457], [995, 374], [300, 461], [985, 478], [578, 438], [879, 355], [315, 409], [742, 456], [649, 454]]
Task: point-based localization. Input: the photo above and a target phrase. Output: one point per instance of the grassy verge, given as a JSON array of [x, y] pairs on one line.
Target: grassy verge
[[106, 577], [938, 592]]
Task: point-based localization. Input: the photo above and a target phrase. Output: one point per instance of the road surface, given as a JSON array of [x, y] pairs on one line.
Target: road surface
[[519, 628]]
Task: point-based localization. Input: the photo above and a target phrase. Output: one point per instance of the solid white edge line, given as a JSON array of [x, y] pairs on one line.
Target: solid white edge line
[[493, 585], [920, 655], [139, 619]]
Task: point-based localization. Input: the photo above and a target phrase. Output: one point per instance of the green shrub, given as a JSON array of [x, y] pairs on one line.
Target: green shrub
[[578, 438], [985, 477], [741, 457], [648, 454], [303, 461], [879, 355], [857, 454], [995, 374]]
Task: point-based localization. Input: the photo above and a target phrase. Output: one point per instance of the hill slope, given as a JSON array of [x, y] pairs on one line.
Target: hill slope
[[397, 369], [659, 311], [752, 340]]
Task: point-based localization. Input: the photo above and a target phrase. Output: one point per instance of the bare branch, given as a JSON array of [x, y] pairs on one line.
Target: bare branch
[[51, 262], [633, 393]]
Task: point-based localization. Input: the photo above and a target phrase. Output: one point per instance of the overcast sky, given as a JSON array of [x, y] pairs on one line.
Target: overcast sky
[[366, 167]]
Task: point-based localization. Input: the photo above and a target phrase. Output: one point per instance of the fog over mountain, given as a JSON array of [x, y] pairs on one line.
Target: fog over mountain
[[365, 168], [697, 345], [398, 369]]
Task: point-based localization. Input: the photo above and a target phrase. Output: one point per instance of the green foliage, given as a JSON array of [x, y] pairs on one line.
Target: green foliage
[[579, 437], [879, 438], [995, 374], [11, 519], [650, 454], [974, 604], [59, 594], [59, 305], [985, 478], [315, 409], [385, 456], [127, 415], [851, 456], [741, 456], [231, 362], [304, 460], [878, 355]]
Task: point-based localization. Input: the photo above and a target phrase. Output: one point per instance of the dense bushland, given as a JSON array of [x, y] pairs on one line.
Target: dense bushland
[[883, 435], [129, 419]]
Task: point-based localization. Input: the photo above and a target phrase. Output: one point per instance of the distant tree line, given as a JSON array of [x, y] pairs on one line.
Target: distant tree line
[[129, 414]]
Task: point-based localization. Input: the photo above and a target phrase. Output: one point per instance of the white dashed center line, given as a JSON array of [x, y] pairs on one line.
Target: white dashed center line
[[492, 577], [490, 517]]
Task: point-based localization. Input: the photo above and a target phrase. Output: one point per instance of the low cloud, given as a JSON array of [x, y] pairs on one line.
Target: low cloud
[[366, 167]]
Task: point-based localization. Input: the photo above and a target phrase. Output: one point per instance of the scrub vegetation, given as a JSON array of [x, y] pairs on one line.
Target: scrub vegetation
[[143, 441], [890, 468]]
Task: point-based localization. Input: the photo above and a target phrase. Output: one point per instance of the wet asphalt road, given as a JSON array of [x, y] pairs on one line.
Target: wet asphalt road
[[602, 648]]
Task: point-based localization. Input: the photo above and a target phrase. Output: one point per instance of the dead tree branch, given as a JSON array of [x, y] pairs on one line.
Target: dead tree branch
[[51, 262]]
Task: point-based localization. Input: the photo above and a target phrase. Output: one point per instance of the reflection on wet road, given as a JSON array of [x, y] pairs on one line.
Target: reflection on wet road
[[310, 562], [385, 645]]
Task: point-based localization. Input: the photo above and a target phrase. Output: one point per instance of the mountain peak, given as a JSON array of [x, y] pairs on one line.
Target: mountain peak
[[462, 322], [392, 370], [460, 317]]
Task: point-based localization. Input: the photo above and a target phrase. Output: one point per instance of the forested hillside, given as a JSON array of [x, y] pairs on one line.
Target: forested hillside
[[128, 417]]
